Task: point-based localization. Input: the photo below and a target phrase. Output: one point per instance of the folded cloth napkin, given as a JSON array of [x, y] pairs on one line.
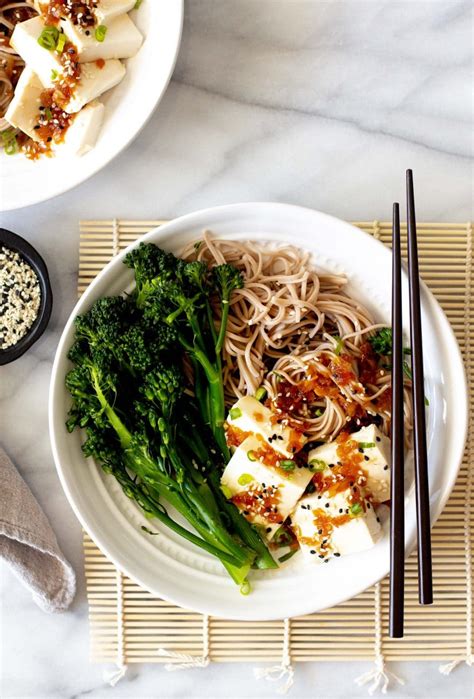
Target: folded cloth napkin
[[28, 544]]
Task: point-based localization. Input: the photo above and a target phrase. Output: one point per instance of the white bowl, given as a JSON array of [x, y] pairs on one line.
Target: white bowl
[[170, 567], [128, 106]]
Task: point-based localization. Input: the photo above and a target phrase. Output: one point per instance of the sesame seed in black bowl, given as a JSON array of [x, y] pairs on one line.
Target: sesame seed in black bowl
[[26, 298]]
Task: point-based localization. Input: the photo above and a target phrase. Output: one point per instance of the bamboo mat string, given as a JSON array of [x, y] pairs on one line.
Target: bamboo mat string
[[469, 657], [189, 661], [114, 676], [379, 674], [285, 669], [115, 237]]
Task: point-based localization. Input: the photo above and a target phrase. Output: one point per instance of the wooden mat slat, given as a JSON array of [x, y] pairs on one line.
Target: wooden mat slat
[[345, 632]]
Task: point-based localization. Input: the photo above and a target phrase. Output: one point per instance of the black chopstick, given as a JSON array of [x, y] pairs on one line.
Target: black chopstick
[[397, 481], [425, 576]]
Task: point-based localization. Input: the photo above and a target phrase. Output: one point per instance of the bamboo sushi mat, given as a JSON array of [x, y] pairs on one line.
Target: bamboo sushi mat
[[129, 625]]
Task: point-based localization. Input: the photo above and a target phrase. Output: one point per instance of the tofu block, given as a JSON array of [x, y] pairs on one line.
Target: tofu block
[[105, 10], [23, 110], [342, 532], [375, 464], [25, 42], [249, 415], [122, 40], [94, 82], [82, 134], [255, 486]]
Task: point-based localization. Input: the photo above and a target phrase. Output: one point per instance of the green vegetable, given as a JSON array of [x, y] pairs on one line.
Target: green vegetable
[[382, 341], [61, 43], [148, 531], [54, 74], [127, 386], [49, 38], [100, 32], [339, 345], [317, 465], [137, 4], [251, 455], [288, 464], [245, 479], [245, 588], [366, 445], [356, 508], [235, 413], [261, 394], [10, 144], [226, 491], [318, 412], [48, 113]]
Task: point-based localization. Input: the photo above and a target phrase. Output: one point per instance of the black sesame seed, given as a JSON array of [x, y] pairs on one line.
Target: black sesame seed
[[385, 468], [340, 511], [366, 457], [337, 554], [268, 530], [320, 531], [361, 450], [326, 505], [377, 439], [321, 555], [331, 465], [368, 505], [378, 519], [312, 551]]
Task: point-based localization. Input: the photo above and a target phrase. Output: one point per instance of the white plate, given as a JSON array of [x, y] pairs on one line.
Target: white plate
[[127, 108], [170, 567]]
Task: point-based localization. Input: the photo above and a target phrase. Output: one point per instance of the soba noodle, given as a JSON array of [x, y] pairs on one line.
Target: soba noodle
[[286, 323], [11, 65]]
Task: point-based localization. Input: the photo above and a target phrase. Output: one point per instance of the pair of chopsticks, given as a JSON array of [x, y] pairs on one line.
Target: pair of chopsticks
[[397, 495]]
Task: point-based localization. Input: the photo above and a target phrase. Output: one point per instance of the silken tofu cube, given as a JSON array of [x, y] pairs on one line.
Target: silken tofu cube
[[23, 110], [264, 493], [25, 42], [82, 134], [374, 448], [327, 526], [104, 11], [249, 415], [121, 40], [94, 81]]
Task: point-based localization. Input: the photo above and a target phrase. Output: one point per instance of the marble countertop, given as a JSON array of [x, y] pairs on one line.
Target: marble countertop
[[323, 104]]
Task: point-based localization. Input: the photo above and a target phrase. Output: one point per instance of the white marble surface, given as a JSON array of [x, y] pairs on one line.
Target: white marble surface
[[316, 103]]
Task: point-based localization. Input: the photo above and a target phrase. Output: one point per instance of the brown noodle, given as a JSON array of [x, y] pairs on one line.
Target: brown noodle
[[284, 321]]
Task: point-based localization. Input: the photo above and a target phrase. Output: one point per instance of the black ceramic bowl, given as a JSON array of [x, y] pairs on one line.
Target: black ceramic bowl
[[34, 259]]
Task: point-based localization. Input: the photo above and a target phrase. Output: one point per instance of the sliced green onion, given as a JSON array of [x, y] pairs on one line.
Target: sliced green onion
[[48, 113], [100, 32], [279, 376], [366, 445], [137, 4], [61, 43], [54, 74], [235, 413], [318, 412], [226, 491], [251, 455], [317, 465], [261, 394], [10, 147], [356, 508], [288, 465], [245, 479], [245, 588], [48, 38], [287, 556], [8, 135], [282, 537], [339, 345], [197, 244]]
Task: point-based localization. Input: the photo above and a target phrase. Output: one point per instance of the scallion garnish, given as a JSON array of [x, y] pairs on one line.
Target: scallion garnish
[[366, 445], [61, 43], [288, 464], [318, 412], [317, 465], [339, 345], [48, 38], [356, 508], [48, 113], [235, 413], [100, 32], [260, 394], [137, 4], [245, 479], [251, 455], [54, 74], [10, 146]]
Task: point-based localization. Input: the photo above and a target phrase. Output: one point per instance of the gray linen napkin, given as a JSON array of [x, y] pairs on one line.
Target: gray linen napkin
[[29, 545]]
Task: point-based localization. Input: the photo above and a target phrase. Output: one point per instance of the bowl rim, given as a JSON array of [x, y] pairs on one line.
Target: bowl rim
[[172, 228], [18, 244]]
